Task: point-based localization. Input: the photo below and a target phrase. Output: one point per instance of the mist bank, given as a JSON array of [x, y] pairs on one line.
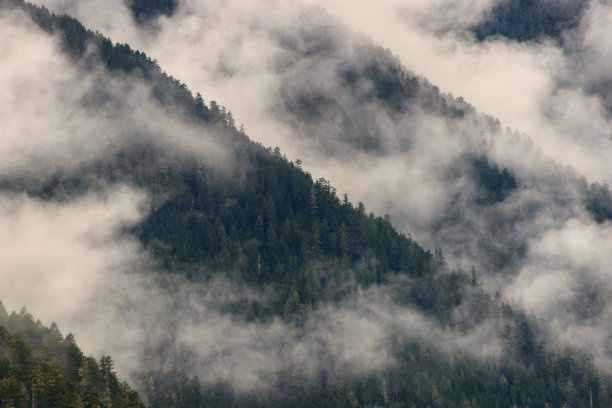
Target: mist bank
[[351, 112]]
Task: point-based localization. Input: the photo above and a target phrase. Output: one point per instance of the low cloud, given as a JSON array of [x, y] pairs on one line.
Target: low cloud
[[567, 285], [56, 115], [59, 258], [250, 57], [72, 264]]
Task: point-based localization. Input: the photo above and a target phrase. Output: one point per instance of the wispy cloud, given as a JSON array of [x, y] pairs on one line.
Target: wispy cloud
[[257, 58]]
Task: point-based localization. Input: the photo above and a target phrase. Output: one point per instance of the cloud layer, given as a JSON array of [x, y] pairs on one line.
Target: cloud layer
[[259, 58]]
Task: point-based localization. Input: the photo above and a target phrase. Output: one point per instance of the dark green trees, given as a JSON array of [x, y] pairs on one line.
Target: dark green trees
[[266, 223], [40, 368]]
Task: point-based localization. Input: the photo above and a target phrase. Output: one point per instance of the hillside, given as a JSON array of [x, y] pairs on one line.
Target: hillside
[[256, 285]]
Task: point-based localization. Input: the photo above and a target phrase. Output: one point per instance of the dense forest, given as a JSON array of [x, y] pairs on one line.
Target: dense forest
[[269, 225], [41, 368]]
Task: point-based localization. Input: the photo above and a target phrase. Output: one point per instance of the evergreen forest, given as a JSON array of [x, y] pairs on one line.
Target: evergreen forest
[[299, 249]]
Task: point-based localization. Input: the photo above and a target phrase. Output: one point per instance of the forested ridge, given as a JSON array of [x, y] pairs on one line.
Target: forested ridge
[[278, 220], [267, 223]]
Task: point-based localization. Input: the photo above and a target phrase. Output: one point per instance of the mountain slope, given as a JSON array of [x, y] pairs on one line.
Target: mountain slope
[[364, 315], [267, 224]]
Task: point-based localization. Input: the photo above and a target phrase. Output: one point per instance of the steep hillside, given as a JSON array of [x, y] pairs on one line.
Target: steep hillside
[[263, 217], [261, 286]]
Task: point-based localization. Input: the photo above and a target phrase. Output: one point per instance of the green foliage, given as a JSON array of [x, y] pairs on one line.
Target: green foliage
[[273, 226], [270, 225], [266, 222], [39, 368]]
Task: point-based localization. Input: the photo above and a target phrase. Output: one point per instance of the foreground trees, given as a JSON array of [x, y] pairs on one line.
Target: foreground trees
[[40, 368]]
